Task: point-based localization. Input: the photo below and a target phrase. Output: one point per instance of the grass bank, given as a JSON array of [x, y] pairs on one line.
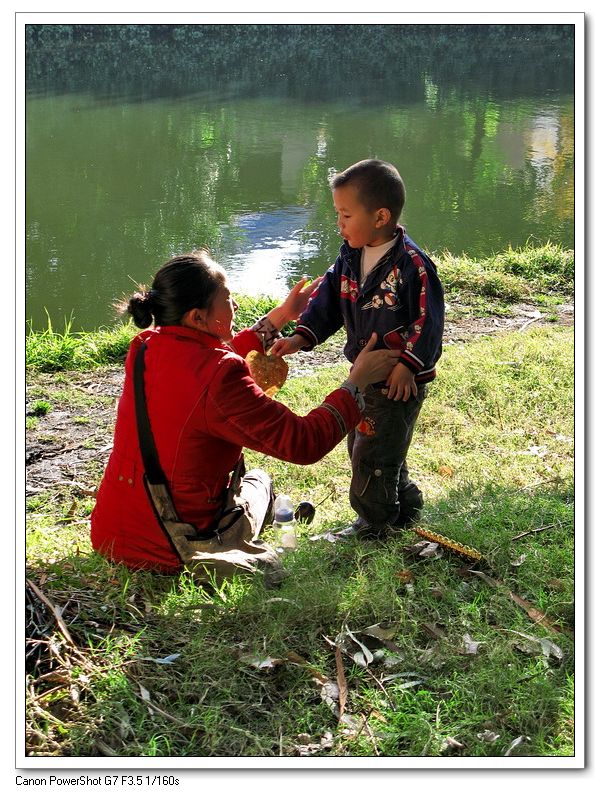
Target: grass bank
[[367, 649], [540, 275]]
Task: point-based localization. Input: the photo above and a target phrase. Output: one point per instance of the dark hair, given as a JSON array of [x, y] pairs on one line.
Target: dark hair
[[378, 183], [188, 281]]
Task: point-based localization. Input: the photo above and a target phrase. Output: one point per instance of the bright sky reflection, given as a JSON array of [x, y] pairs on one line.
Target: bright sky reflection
[[261, 249]]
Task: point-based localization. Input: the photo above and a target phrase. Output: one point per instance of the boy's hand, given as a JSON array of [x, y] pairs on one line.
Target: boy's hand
[[401, 383], [288, 345]]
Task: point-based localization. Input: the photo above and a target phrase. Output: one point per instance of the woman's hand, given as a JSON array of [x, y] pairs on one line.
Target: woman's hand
[[295, 303], [371, 365], [299, 295]]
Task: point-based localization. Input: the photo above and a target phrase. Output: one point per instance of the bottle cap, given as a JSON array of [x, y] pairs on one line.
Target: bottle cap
[[284, 515], [283, 509]]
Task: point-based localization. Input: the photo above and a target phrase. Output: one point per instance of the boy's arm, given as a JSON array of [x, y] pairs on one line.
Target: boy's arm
[[319, 320], [288, 345], [267, 328], [423, 294], [323, 316], [295, 302]]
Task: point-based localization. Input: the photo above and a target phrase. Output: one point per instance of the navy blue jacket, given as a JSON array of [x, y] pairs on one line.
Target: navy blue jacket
[[402, 300]]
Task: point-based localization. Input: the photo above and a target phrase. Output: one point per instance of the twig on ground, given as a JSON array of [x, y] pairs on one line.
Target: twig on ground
[[532, 612], [164, 713], [341, 680], [370, 733], [54, 610], [367, 670], [529, 321], [365, 726], [533, 531]]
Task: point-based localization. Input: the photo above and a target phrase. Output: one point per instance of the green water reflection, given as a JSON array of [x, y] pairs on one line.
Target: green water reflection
[[116, 186]]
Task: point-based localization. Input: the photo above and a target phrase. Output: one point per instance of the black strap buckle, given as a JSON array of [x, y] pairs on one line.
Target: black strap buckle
[[234, 513]]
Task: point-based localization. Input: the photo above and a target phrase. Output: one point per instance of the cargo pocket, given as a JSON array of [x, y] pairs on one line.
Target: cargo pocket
[[374, 491]]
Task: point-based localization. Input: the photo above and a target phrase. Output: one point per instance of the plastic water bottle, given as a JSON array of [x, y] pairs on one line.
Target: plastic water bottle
[[285, 524]]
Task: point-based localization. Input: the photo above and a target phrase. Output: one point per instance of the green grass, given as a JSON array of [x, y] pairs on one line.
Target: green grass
[[52, 350], [493, 452], [40, 407], [542, 275]]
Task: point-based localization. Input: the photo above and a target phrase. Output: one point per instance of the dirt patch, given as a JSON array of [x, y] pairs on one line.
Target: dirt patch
[[68, 447]]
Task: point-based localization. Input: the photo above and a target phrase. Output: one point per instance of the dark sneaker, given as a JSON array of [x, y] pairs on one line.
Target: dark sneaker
[[364, 531], [411, 506], [404, 521]]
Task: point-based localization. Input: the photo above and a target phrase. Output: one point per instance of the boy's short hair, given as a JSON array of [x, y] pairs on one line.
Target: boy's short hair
[[378, 183]]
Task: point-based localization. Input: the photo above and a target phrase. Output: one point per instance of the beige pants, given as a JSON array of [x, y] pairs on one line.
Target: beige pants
[[238, 548]]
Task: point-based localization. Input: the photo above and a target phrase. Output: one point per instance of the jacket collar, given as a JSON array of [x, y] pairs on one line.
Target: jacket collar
[[351, 256], [182, 332]]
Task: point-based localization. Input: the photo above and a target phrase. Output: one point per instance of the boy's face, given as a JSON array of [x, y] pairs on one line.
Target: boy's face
[[358, 225]]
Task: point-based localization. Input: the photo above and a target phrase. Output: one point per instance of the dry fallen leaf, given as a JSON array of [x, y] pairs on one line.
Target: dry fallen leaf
[[356, 649], [516, 743], [169, 659], [144, 693], [432, 549], [264, 664], [470, 646], [518, 562], [452, 744], [330, 536], [268, 371], [415, 550], [305, 745], [294, 658], [75, 693], [488, 736], [330, 693], [433, 630], [381, 631], [534, 646], [535, 614], [341, 680], [393, 661]]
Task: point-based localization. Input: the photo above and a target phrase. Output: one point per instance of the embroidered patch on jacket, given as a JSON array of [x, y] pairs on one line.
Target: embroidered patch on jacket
[[386, 296], [375, 302], [366, 426], [348, 289]]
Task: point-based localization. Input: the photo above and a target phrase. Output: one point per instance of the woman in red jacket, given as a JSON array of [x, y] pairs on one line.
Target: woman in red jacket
[[203, 407]]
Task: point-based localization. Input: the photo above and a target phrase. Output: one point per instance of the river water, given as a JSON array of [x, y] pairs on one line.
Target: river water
[[125, 167]]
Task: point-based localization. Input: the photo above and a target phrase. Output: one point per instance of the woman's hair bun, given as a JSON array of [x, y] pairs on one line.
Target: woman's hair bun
[[140, 308]]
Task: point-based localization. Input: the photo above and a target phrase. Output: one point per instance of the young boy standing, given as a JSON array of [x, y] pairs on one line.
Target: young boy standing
[[382, 282]]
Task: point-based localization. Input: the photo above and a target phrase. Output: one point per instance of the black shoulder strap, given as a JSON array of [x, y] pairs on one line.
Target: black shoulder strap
[[154, 472]]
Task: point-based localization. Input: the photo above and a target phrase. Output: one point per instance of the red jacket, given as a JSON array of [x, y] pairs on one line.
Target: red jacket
[[204, 407]]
